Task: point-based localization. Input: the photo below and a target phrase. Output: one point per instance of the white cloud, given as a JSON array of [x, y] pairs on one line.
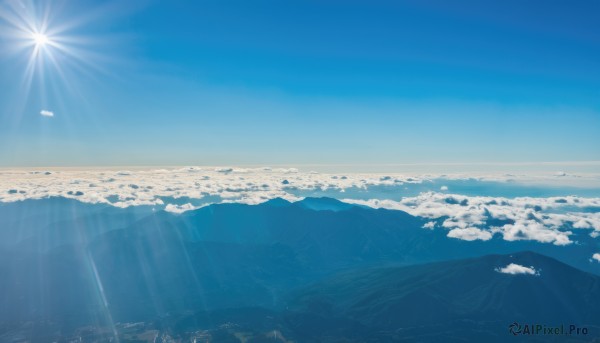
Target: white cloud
[[429, 225], [525, 218], [470, 234], [596, 257], [444, 188], [178, 209], [533, 230], [47, 113], [515, 269]]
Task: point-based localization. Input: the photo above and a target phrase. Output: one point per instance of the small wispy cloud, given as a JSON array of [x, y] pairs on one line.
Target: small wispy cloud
[[515, 269], [47, 113]]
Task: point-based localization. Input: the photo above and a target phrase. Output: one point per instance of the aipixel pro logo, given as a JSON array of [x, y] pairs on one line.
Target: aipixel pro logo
[[517, 329]]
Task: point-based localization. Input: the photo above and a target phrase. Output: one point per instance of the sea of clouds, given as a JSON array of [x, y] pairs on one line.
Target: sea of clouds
[[548, 219]]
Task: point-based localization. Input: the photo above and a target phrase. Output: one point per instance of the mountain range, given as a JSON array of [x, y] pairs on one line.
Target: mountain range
[[316, 270]]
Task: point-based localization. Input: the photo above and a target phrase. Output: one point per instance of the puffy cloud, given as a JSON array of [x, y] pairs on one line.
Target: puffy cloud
[[46, 113], [444, 188], [596, 257], [429, 225], [470, 234], [516, 269], [547, 220], [533, 230], [178, 209]]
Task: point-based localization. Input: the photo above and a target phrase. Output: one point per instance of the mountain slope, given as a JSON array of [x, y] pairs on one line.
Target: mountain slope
[[43, 224], [426, 301], [219, 256]]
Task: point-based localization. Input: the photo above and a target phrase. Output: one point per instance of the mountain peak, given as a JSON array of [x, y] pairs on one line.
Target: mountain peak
[[277, 202], [323, 204]]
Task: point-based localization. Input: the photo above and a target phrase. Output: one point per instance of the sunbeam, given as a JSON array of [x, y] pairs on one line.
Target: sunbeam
[[59, 55]]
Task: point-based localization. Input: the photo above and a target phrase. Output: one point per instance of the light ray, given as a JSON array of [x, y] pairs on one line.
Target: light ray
[[55, 59]]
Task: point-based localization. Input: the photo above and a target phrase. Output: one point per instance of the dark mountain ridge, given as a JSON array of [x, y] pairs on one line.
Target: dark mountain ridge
[[101, 264], [429, 301]]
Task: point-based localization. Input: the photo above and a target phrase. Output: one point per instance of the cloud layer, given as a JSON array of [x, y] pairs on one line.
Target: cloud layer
[[544, 219], [124, 188]]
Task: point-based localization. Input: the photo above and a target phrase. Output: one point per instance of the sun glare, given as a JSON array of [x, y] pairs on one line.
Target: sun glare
[[53, 50], [40, 39]]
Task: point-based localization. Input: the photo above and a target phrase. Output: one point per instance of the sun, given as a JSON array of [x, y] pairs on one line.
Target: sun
[[40, 39]]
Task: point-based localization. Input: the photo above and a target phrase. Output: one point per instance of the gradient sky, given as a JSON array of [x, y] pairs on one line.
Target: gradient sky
[[300, 82]]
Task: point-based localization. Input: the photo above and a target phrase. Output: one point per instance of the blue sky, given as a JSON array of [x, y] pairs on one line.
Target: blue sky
[[301, 82]]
